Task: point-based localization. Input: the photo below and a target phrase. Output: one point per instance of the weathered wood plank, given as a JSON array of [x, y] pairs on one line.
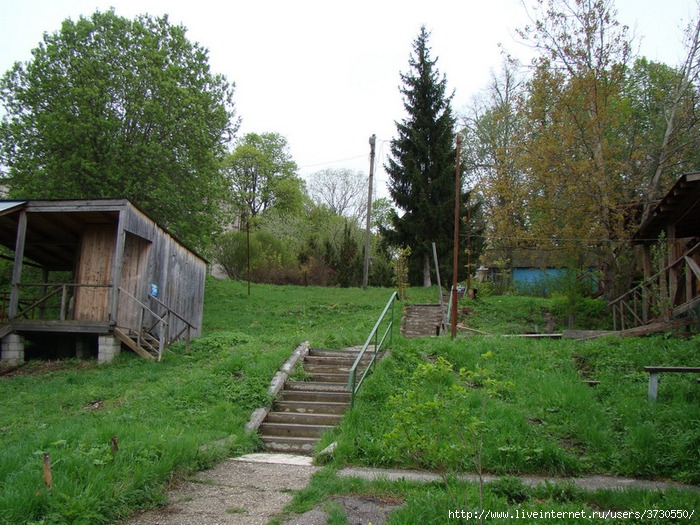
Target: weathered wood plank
[[56, 325], [128, 341], [677, 369]]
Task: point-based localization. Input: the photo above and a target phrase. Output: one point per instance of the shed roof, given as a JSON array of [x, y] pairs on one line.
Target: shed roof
[[52, 239], [679, 207]]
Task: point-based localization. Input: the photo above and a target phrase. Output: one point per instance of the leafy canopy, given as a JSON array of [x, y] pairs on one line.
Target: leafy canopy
[[262, 175], [116, 108]]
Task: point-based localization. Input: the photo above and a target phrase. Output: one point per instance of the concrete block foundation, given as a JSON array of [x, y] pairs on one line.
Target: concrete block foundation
[[13, 349], [108, 348]]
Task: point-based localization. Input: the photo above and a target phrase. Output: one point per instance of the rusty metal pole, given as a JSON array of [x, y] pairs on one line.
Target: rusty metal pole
[[455, 262]]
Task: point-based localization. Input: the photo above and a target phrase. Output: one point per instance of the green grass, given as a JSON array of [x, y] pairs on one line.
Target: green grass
[[170, 418], [189, 411], [431, 503], [545, 420]]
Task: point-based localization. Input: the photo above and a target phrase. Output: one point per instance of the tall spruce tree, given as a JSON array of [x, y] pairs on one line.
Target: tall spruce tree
[[421, 165]]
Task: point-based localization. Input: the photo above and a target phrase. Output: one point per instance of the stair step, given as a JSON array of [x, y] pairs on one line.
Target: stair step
[[289, 445], [308, 386], [303, 418], [329, 378], [319, 396], [293, 429], [316, 360], [310, 407], [316, 352], [331, 368]]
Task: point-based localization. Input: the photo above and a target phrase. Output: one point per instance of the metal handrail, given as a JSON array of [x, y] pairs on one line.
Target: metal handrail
[[353, 384]]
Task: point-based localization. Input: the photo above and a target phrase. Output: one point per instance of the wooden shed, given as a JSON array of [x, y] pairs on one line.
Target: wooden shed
[[96, 271]]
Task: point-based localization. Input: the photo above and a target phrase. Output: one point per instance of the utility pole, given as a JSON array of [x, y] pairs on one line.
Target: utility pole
[[365, 274], [455, 262]]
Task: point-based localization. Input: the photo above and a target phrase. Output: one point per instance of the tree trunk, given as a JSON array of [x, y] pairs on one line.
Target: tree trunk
[[426, 271]]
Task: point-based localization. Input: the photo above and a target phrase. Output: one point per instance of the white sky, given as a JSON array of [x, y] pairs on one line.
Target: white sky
[[325, 74]]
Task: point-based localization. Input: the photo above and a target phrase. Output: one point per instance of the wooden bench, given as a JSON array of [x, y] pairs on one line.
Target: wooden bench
[[654, 372]]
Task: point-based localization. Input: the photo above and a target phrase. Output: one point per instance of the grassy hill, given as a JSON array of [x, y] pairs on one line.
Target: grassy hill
[[524, 399]]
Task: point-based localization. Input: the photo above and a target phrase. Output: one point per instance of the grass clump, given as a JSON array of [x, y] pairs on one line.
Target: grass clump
[[168, 418]]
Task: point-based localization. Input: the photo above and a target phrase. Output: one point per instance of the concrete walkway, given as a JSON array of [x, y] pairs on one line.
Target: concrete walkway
[[585, 482], [252, 489]]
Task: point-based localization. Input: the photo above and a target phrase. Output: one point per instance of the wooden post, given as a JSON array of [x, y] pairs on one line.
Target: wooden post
[[672, 271], [646, 291], [365, 270], [64, 302], [118, 259], [17, 268], [455, 262], [653, 385]]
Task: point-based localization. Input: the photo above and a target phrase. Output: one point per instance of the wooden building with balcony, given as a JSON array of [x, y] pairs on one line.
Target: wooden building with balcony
[[98, 274], [670, 244]]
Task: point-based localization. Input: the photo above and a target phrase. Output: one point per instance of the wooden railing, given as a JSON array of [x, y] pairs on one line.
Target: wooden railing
[[54, 303], [159, 324], [186, 329], [669, 293]]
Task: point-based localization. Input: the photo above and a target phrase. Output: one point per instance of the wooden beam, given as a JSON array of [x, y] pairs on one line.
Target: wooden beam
[[693, 266], [116, 277], [17, 267], [57, 326]]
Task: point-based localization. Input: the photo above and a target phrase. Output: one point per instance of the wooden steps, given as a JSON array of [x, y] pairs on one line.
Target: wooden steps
[[421, 320], [144, 344], [306, 409]]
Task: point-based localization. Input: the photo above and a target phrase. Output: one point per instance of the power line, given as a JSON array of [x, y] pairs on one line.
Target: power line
[[332, 161]]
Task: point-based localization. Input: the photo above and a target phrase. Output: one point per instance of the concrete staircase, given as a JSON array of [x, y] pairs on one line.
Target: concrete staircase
[[303, 410]]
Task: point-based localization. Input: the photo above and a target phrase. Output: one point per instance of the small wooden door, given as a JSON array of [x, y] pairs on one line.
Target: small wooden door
[[94, 268]]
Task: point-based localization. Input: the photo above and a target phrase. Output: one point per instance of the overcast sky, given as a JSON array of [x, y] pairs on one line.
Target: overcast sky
[[325, 74]]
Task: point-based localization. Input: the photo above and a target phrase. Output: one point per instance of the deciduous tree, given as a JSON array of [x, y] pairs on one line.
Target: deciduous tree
[[344, 191], [261, 175], [111, 107], [493, 146], [575, 156]]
